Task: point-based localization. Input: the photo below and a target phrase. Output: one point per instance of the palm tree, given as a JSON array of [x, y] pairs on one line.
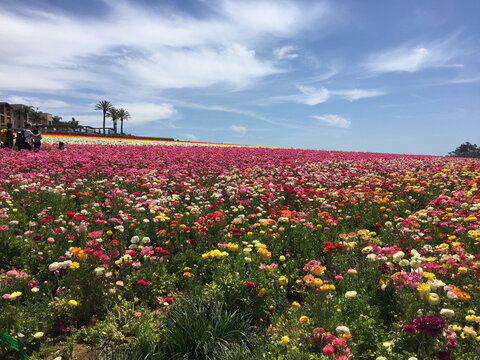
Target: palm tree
[[123, 115], [56, 120], [113, 113], [36, 116], [73, 123], [105, 106]]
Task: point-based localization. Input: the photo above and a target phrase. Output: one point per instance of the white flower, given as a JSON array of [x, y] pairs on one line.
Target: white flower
[[342, 330], [54, 266], [38, 335], [350, 294], [448, 313]]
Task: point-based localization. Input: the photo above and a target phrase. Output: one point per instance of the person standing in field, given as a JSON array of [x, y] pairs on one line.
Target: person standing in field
[[28, 136], [10, 136], [36, 140]]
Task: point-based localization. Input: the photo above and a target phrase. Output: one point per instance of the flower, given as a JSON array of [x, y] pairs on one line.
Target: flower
[[328, 350], [350, 294], [262, 292], [303, 319], [72, 303], [296, 304], [14, 295], [249, 284], [38, 335], [283, 280], [285, 340], [430, 325]]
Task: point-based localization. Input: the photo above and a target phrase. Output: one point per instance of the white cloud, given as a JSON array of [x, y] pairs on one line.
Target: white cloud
[[235, 65], [190, 137], [469, 80], [147, 112], [285, 53], [133, 45], [41, 104], [357, 94], [413, 57], [240, 130], [334, 120], [314, 96]]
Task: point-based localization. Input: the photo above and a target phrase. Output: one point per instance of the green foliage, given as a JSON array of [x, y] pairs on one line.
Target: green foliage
[[195, 329]]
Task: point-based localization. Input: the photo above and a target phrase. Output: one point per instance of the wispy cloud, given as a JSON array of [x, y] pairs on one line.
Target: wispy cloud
[[36, 102], [357, 94], [239, 130], [413, 57], [469, 80], [314, 96], [190, 137], [334, 120], [285, 53]]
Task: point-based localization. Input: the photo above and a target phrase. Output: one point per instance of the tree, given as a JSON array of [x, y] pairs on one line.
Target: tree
[[113, 113], [123, 115], [105, 106], [73, 123], [56, 120], [466, 150], [36, 116]]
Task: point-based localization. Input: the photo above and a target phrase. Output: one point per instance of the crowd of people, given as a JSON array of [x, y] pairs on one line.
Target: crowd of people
[[26, 139]]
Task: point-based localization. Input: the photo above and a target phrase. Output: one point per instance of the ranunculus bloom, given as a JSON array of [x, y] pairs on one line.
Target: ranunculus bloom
[[430, 325], [328, 350], [249, 284]]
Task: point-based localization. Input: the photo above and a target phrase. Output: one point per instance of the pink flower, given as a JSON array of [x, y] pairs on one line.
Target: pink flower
[[328, 350], [339, 342]]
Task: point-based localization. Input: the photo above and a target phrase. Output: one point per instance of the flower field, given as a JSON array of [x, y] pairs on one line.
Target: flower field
[[208, 252]]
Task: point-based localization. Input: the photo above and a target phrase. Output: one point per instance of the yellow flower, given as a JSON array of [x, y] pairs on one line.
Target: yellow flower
[[303, 319], [424, 290], [72, 303], [283, 280], [433, 298], [428, 275], [296, 305], [74, 266], [186, 275], [109, 232], [232, 247], [15, 295], [38, 335], [262, 292], [285, 340]]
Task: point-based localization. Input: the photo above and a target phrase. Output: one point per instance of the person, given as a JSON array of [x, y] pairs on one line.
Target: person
[[61, 146], [28, 135], [10, 136], [36, 141]]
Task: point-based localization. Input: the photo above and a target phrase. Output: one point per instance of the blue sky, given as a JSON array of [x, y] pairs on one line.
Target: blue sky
[[373, 75]]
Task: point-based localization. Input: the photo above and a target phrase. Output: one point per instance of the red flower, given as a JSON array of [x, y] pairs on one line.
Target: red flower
[[168, 300], [249, 284]]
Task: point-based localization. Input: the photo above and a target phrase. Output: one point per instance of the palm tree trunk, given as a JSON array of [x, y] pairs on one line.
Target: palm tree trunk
[[121, 126], [104, 114]]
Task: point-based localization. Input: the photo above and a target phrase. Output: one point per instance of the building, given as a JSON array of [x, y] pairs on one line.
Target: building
[[6, 114], [19, 115]]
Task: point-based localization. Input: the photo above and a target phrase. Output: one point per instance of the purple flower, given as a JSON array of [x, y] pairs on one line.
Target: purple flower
[[410, 329], [430, 325], [384, 268], [443, 355]]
